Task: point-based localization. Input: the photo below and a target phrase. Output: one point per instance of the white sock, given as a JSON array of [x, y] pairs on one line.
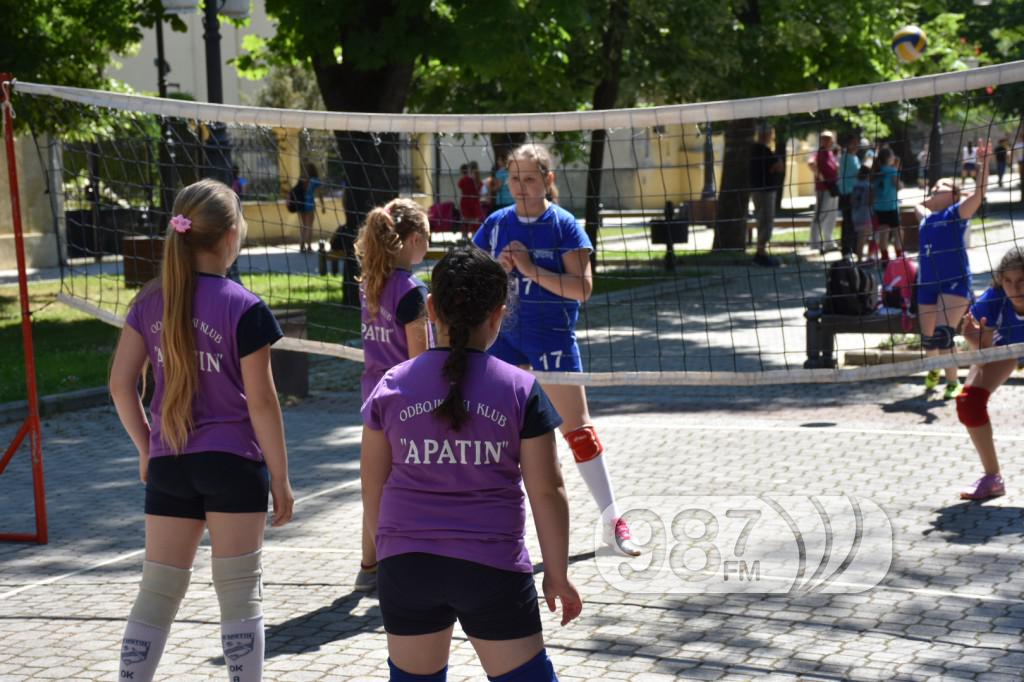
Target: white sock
[[243, 649], [595, 475], [141, 649]]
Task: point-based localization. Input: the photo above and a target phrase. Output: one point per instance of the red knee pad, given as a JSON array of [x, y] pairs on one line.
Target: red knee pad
[[584, 444], [972, 406]]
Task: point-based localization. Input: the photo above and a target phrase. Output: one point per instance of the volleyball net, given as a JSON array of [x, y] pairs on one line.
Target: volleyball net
[[672, 197]]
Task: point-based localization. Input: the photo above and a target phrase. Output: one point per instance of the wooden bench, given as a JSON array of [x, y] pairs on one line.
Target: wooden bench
[[822, 328]]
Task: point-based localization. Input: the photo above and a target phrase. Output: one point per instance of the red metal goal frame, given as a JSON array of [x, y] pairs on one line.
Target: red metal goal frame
[[31, 426]]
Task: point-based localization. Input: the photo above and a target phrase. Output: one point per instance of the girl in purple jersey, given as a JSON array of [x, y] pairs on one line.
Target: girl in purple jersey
[[393, 240], [214, 433], [995, 319], [450, 439], [547, 255]]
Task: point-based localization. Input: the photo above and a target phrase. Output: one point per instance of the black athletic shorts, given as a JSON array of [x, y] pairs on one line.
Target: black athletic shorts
[[190, 485], [425, 593], [888, 218]]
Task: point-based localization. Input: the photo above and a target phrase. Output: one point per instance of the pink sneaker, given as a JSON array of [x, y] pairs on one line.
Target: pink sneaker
[[989, 485], [617, 536]]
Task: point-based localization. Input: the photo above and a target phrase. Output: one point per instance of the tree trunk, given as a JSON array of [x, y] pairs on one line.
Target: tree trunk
[[734, 194], [606, 92], [369, 160]]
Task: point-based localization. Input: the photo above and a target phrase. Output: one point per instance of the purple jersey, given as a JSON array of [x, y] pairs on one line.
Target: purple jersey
[[457, 493], [220, 412], [402, 300]]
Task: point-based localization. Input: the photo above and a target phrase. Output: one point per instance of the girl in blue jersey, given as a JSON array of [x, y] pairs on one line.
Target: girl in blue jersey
[[944, 272], [995, 319], [547, 255]]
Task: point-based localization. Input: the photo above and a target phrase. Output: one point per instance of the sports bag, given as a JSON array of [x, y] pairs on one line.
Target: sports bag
[[850, 289]]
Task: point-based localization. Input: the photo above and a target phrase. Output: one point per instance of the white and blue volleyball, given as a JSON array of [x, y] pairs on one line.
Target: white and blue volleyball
[[909, 44]]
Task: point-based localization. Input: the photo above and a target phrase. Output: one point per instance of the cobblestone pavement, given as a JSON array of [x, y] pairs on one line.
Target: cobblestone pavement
[[950, 606]]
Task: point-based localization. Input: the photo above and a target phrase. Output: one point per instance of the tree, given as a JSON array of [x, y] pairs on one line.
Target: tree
[[69, 42], [367, 54], [797, 45]]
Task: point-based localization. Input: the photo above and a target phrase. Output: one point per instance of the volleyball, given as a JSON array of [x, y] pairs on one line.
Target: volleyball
[[909, 44]]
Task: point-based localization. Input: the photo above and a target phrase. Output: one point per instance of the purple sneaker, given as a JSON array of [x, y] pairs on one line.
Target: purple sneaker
[[989, 485]]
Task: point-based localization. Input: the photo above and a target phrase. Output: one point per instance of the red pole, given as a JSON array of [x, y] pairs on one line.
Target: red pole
[[32, 425]]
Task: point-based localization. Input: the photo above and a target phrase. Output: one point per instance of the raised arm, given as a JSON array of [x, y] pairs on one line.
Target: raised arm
[[970, 205], [546, 490]]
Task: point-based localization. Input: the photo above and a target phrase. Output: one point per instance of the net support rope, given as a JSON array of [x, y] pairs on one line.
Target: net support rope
[[782, 376]]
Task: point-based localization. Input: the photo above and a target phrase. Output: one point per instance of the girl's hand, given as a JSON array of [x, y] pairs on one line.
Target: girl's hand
[[984, 149], [505, 260], [565, 592], [284, 501], [520, 257], [143, 467], [972, 330]]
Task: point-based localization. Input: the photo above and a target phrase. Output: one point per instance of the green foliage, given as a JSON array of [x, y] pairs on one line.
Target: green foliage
[[69, 42], [291, 86]]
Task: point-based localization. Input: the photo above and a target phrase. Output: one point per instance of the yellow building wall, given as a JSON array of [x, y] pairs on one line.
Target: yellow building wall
[[271, 223], [36, 215], [678, 170]]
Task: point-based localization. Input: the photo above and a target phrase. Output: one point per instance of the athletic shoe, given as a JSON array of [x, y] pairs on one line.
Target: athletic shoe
[[953, 390], [989, 485], [617, 536], [366, 579], [931, 379]]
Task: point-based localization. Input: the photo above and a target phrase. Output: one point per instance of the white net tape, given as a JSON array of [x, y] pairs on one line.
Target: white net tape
[[659, 317]]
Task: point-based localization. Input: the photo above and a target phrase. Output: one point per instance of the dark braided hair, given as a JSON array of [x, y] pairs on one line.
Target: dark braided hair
[[466, 285]]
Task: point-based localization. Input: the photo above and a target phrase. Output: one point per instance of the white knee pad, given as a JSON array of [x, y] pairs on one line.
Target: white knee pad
[[160, 593], [238, 585]]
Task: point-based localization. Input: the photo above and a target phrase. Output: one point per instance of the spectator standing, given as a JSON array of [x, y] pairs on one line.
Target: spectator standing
[[763, 164], [1001, 152], [849, 167], [826, 193]]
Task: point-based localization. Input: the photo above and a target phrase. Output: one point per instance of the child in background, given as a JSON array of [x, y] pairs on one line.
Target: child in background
[[469, 202], [394, 311], [547, 256], [216, 431], [996, 319], [860, 203], [885, 187], [450, 439]]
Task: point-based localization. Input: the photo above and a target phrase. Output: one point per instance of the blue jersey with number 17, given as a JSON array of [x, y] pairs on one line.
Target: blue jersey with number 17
[[548, 238]]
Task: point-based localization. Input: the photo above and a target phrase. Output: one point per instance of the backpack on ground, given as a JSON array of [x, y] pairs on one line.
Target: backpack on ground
[[898, 284], [296, 198], [850, 289]]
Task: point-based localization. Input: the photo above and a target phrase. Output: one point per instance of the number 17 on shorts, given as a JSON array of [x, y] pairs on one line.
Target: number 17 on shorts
[[765, 544]]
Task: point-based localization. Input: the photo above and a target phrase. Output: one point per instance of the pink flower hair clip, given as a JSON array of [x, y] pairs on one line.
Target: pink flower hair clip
[[181, 224]]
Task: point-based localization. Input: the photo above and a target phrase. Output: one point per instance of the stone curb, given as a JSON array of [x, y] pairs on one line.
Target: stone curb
[[50, 405]]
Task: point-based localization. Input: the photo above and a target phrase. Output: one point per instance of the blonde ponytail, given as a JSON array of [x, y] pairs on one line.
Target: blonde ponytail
[[380, 241], [212, 210]]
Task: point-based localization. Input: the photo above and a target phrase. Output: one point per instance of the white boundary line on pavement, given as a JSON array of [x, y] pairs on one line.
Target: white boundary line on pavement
[[913, 433], [56, 578], [136, 552]]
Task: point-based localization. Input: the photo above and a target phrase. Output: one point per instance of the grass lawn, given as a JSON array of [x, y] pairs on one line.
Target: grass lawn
[[73, 349]]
